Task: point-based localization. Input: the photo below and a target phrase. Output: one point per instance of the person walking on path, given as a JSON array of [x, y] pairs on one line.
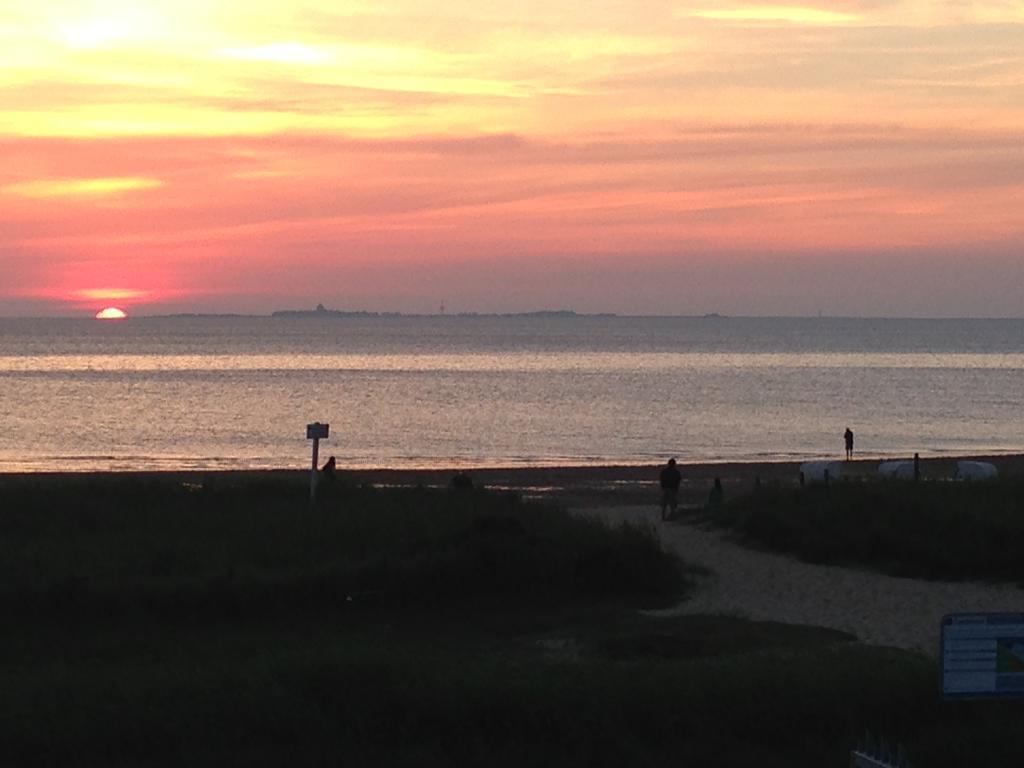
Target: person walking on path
[[669, 480], [848, 437], [715, 498]]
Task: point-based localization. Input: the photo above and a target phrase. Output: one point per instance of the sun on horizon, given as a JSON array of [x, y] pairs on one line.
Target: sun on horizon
[[111, 313]]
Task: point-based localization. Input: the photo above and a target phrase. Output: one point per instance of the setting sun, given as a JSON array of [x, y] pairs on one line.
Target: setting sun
[[111, 313]]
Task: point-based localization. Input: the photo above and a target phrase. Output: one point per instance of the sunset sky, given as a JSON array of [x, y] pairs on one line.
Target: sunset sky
[[861, 157]]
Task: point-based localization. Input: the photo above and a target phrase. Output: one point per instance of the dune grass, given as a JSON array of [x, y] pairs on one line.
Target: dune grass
[[154, 622], [255, 544], [929, 529], [377, 693]]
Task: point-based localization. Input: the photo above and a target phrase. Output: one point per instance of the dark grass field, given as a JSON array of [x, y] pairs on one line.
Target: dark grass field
[[168, 620], [230, 545]]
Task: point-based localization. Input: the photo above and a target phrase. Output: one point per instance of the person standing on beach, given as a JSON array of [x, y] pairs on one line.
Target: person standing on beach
[[848, 437], [669, 479], [325, 483]]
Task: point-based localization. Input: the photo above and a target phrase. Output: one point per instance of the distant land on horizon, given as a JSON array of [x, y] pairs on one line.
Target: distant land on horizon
[[322, 311]]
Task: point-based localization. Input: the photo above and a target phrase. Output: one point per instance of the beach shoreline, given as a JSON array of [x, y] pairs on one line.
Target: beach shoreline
[[573, 485]]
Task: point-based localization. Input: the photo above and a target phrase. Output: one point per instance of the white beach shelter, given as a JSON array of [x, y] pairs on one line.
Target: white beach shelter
[[814, 471], [898, 470], [975, 470]]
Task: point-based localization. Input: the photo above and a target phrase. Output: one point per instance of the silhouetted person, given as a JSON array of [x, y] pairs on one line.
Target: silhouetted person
[[462, 482], [848, 437], [716, 497], [669, 480], [327, 476]]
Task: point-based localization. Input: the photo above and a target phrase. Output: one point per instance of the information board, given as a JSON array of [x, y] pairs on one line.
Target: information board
[[318, 431], [982, 655]]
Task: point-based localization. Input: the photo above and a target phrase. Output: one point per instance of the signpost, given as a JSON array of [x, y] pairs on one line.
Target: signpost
[[982, 656], [315, 432]]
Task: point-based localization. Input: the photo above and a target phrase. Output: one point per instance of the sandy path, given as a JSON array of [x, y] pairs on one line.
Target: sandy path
[[878, 609]]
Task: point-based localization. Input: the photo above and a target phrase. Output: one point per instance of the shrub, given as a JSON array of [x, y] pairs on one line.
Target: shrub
[[933, 529]]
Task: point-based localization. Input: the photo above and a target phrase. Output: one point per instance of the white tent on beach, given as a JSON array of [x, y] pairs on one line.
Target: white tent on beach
[[814, 471], [975, 470], [897, 470]]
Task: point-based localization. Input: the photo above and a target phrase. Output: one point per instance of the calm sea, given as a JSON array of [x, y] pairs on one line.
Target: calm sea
[[216, 393]]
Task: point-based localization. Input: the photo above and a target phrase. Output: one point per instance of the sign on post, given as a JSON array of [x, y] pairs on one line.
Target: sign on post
[[982, 655], [316, 432]]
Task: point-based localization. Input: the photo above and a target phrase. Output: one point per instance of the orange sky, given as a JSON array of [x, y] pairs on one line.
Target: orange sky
[[853, 157]]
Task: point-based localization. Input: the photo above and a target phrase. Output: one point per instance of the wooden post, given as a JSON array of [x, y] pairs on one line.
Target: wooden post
[[315, 432], [316, 465]]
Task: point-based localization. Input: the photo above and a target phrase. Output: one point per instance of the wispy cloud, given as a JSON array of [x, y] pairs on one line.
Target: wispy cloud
[[111, 294], [95, 187], [790, 14], [282, 53]]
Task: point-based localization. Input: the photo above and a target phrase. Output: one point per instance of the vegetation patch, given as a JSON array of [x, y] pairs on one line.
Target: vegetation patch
[[929, 529], [256, 546]]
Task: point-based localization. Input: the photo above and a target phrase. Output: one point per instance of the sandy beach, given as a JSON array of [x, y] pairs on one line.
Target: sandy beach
[[876, 608], [744, 582]]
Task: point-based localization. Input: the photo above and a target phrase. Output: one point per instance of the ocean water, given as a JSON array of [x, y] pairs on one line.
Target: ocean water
[[237, 392]]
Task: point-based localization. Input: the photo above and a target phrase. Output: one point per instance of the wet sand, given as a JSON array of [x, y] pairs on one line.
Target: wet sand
[[584, 486], [578, 486], [608, 486]]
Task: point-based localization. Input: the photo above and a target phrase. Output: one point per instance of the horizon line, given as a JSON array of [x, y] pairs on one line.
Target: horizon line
[[564, 313]]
